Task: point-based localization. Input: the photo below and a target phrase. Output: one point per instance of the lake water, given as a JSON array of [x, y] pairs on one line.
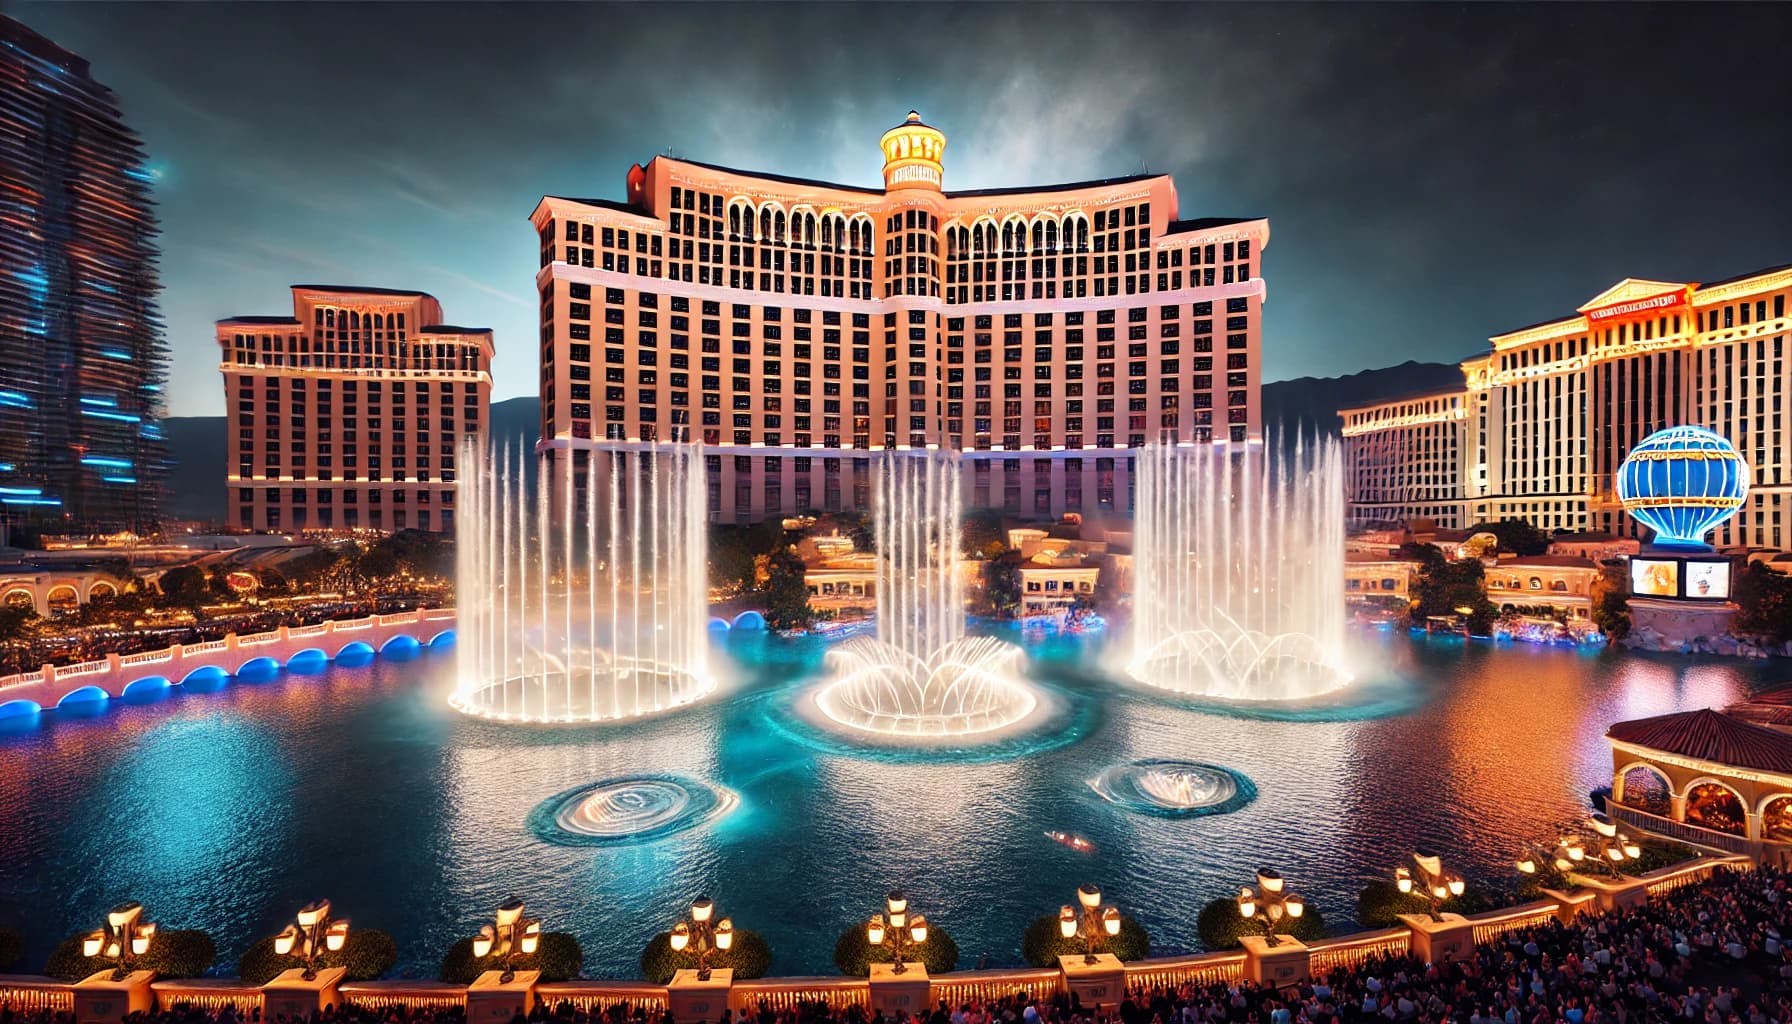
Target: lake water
[[227, 810]]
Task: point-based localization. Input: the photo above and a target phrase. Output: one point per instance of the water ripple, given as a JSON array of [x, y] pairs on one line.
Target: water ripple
[[1169, 788], [629, 809]]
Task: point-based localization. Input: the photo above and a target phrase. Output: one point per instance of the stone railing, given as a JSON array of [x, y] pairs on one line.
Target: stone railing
[[32, 993], [47, 685], [1761, 850]]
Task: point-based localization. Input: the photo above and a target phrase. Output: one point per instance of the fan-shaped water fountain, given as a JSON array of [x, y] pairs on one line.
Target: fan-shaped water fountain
[[921, 676], [1239, 571], [596, 611]]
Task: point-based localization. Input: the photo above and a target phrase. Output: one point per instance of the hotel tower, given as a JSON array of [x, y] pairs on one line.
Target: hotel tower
[[82, 357], [1544, 419], [794, 326], [349, 414]]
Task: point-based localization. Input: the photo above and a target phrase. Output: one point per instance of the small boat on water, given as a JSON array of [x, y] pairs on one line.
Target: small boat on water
[[1072, 840]]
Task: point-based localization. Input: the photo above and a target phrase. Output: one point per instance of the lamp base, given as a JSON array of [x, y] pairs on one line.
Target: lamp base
[[491, 998], [101, 1000], [1570, 905], [293, 995], [1288, 962], [1440, 942], [1613, 893], [910, 992], [687, 998], [1094, 985]]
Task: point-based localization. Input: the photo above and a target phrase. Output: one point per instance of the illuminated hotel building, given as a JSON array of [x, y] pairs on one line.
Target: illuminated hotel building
[[349, 413], [1544, 420], [82, 357], [795, 326]]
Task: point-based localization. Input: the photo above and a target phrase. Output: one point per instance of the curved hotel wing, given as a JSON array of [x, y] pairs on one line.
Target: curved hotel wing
[[1545, 418], [794, 326]]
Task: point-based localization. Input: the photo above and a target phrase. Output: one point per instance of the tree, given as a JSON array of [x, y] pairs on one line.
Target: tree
[[1517, 536], [980, 529], [1450, 587], [184, 585], [1001, 585], [1612, 614], [730, 560], [786, 594], [16, 621], [376, 563], [1764, 603]]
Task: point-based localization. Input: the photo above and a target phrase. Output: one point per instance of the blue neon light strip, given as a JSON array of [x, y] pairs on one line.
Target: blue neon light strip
[[110, 403], [96, 460], [30, 501], [119, 479], [21, 490], [15, 398], [122, 417]]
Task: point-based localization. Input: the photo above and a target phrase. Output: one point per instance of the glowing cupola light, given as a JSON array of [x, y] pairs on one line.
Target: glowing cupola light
[[1683, 482], [913, 155]]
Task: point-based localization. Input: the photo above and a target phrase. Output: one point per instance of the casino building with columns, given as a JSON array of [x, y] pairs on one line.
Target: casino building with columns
[[1543, 420], [796, 326]]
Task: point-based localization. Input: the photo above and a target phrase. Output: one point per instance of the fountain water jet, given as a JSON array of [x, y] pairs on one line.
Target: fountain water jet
[[592, 604], [1239, 571], [921, 676], [1174, 789]]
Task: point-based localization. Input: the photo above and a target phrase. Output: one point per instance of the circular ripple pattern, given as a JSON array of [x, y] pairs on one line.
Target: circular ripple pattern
[[1174, 789], [630, 809]]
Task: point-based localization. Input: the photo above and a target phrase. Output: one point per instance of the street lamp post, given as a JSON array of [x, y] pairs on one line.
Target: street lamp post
[[1571, 852], [700, 935], [1093, 922], [312, 933], [512, 936], [124, 938], [1432, 881], [901, 927], [1273, 903]]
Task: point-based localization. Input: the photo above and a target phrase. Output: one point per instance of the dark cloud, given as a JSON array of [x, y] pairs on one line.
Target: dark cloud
[[1433, 174]]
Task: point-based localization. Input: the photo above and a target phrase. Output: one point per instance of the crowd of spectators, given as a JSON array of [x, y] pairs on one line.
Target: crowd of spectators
[[1707, 954]]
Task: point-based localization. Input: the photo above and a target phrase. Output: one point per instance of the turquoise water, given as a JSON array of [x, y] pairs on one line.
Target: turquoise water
[[229, 809]]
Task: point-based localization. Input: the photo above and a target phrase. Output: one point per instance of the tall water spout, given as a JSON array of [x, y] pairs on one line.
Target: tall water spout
[[921, 676], [1238, 582], [590, 603]]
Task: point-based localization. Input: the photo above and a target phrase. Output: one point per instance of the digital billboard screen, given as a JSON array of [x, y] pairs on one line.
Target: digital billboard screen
[[1708, 580], [1654, 578]]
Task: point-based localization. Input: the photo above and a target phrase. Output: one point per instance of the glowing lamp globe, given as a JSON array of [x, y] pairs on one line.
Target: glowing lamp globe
[[1682, 482]]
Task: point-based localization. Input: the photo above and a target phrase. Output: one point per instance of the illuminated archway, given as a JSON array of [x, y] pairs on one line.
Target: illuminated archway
[[62, 599], [19, 597], [1645, 788], [1776, 818], [84, 695], [1713, 805]]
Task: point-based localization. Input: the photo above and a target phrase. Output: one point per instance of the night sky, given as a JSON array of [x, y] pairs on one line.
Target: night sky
[[1432, 174]]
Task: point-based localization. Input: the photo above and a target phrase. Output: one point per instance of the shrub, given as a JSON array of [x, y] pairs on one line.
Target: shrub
[[558, 957], [367, 954], [1380, 901], [1221, 926], [12, 949], [750, 958], [175, 953], [1043, 943], [854, 954]]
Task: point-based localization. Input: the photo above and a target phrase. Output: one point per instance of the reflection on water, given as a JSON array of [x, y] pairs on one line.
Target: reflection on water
[[229, 809]]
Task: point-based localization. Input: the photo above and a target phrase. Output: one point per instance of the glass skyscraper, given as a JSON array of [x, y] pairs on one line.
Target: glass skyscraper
[[82, 356]]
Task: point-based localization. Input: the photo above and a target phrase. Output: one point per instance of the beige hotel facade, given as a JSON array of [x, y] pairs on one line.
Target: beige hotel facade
[[796, 326], [348, 414], [1543, 420]]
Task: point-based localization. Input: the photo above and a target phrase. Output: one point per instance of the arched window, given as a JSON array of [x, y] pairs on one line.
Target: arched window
[[1559, 586], [1776, 819], [20, 598], [1646, 790], [1051, 236], [1008, 238], [1038, 236], [1715, 806], [62, 600], [827, 231], [765, 224], [778, 227], [989, 240], [1536, 583], [734, 222]]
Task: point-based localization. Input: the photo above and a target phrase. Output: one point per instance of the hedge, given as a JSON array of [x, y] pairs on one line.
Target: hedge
[[173, 953], [854, 954], [558, 957], [1381, 900], [749, 958], [367, 954], [1043, 943], [1221, 925]]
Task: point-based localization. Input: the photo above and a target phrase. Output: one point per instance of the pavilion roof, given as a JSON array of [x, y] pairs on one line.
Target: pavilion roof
[[1708, 735]]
